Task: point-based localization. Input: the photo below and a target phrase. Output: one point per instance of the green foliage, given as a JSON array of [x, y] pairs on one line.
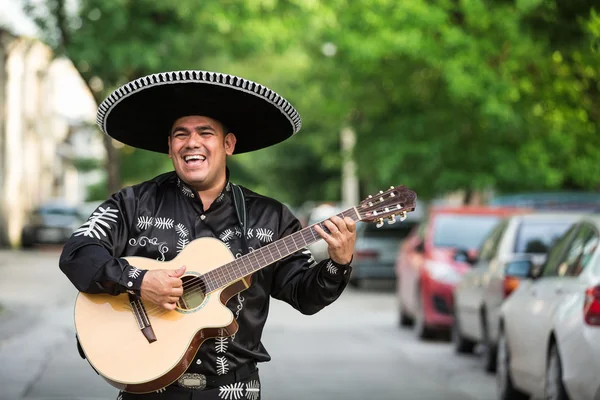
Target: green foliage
[[443, 94]]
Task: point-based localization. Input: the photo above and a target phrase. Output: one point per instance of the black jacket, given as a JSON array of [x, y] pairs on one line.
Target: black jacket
[[158, 218]]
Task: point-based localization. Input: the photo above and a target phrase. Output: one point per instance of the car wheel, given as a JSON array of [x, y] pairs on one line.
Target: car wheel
[[403, 318], [422, 331], [504, 385], [554, 388], [462, 345], [489, 350]]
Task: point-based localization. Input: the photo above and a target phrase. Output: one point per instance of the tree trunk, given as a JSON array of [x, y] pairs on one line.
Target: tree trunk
[[468, 197]]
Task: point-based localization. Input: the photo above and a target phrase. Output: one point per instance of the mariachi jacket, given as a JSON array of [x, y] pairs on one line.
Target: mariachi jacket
[[158, 218]]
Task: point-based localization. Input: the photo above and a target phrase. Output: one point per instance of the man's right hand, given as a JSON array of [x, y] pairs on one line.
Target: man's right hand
[[163, 287]]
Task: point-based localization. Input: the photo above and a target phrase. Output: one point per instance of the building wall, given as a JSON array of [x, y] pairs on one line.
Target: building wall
[[35, 127]]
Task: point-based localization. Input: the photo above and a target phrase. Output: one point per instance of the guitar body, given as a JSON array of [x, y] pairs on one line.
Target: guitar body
[[117, 349]]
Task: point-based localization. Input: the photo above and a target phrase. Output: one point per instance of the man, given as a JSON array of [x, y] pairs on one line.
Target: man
[[199, 119]]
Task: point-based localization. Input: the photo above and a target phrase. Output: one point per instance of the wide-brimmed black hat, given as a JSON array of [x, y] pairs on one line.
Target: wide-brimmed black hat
[[142, 112]]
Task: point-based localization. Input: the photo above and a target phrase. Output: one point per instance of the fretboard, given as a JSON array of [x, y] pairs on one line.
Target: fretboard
[[267, 255]]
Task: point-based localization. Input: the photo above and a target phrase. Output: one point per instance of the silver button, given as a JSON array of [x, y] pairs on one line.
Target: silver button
[[203, 217], [129, 284], [198, 361]]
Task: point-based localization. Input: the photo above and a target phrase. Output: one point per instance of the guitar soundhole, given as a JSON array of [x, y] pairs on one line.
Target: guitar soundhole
[[193, 293]]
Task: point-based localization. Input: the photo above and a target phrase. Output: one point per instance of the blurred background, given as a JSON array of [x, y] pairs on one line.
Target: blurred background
[[489, 110]]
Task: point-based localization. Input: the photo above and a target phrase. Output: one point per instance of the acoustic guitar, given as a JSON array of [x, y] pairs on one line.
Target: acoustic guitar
[[140, 347]]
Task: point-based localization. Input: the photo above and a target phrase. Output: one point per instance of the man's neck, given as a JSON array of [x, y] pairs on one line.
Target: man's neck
[[208, 196]]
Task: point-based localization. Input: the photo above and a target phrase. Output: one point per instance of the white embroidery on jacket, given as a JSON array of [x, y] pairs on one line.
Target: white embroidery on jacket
[[134, 273], [332, 269], [181, 230], [221, 344], [234, 391], [222, 365], [93, 226], [144, 222], [163, 223], [252, 390], [144, 240], [264, 235]]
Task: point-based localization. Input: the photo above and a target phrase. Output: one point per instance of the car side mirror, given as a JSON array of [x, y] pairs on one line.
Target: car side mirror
[[521, 269]]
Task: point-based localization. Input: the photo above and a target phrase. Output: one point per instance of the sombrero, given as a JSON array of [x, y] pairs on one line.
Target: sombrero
[[141, 113]]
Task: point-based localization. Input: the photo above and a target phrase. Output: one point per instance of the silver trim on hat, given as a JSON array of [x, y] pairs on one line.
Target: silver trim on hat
[[215, 78]]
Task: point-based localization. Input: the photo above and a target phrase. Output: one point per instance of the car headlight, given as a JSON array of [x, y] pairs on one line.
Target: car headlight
[[442, 272]]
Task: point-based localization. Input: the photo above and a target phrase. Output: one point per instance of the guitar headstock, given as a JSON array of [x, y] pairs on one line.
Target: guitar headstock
[[394, 202]]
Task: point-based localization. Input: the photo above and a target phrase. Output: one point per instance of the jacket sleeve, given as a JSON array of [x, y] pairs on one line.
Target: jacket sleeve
[[91, 258], [300, 281]]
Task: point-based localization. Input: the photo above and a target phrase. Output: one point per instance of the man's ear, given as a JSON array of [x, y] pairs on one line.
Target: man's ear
[[169, 143], [230, 141]]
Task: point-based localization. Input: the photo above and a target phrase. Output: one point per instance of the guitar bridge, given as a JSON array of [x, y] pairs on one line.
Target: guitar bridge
[[141, 316]]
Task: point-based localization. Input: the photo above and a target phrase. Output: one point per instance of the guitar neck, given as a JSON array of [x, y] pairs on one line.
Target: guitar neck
[[267, 255]]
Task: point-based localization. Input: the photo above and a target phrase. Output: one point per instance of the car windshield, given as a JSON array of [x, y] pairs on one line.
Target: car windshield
[[465, 231], [539, 236]]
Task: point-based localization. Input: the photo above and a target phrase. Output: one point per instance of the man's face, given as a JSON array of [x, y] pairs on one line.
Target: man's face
[[199, 148]]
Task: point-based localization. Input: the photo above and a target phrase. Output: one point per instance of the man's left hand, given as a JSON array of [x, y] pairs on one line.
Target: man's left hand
[[340, 240]]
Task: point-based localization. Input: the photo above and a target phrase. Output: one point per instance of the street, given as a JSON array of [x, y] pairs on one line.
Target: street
[[350, 350]]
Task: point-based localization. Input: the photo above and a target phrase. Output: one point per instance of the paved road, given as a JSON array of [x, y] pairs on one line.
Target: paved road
[[350, 350]]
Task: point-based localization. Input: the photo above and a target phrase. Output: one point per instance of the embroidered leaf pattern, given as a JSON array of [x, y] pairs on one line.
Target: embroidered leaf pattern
[[221, 344], [163, 223], [265, 235], [239, 306], [187, 191], [144, 222], [332, 269], [250, 233], [222, 365], [227, 235], [252, 390], [181, 243], [234, 391], [237, 232], [93, 226], [220, 198], [134, 273], [182, 231], [120, 396]]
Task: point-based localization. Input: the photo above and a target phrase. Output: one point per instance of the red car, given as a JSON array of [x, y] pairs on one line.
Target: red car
[[433, 259]]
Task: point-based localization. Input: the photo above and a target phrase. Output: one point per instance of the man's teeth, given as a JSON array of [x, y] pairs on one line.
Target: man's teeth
[[188, 158]]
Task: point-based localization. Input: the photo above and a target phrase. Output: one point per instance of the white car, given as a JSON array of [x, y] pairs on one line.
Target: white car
[[482, 290], [549, 343]]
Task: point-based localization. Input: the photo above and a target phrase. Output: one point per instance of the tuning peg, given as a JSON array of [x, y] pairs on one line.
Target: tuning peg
[[402, 216], [392, 219], [379, 222], [381, 192], [391, 187]]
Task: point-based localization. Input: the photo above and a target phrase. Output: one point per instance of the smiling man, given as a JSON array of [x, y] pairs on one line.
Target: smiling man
[[200, 119]]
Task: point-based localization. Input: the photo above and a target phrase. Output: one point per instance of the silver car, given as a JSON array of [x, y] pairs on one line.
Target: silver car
[[482, 290]]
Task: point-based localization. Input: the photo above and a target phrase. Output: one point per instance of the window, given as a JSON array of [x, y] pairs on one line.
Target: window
[[580, 251], [539, 236], [463, 231], [490, 244], [556, 254]]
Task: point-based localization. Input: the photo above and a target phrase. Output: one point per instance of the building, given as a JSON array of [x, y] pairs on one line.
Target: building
[[46, 121]]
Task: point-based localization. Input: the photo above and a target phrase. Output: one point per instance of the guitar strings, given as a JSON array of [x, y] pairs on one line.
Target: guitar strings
[[198, 284]]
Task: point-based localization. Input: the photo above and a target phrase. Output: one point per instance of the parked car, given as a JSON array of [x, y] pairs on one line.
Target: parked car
[[483, 289], [549, 343], [375, 249], [50, 223], [432, 260]]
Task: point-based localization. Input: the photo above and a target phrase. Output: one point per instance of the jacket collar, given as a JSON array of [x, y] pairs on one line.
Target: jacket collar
[[191, 193]]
